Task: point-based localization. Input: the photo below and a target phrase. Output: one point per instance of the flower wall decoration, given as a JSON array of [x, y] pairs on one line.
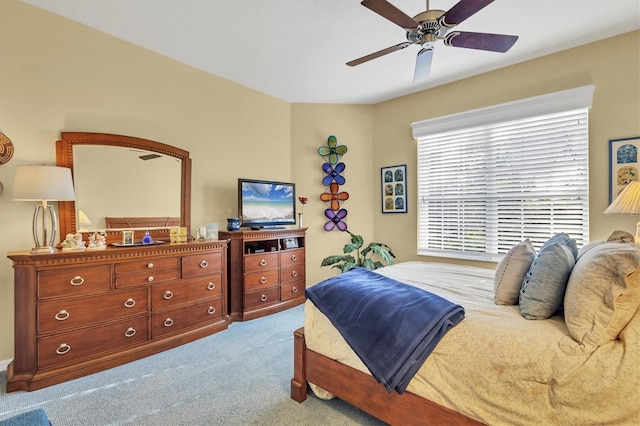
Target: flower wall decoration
[[333, 180]]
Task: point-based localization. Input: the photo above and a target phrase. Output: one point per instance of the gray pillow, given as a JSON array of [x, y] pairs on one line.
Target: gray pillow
[[543, 287], [511, 271], [563, 238]]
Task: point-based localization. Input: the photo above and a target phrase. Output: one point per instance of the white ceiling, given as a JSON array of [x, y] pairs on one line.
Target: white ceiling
[[296, 50]]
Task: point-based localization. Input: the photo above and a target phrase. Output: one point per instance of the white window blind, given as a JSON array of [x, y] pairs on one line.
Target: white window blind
[[484, 188]]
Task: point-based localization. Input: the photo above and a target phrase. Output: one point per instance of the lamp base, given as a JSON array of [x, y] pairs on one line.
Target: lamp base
[[43, 250]]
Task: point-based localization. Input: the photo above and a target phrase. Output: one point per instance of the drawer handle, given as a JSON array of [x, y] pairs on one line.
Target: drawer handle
[[211, 286], [263, 262], [63, 349], [263, 298], [168, 322], [150, 265], [263, 280], [129, 303], [62, 315], [294, 273], [211, 310], [130, 332], [294, 290], [77, 280], [294, 257], [150, 279], [204, 264], [167, 295]]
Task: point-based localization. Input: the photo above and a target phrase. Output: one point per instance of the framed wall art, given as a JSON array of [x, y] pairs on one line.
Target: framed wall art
[[394, 189], [623, 164]]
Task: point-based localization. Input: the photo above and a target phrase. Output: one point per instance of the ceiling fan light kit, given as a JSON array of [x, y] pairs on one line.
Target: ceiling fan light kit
[[429, 26]]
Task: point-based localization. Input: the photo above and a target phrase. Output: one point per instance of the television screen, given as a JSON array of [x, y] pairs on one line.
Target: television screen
[[266, 204]]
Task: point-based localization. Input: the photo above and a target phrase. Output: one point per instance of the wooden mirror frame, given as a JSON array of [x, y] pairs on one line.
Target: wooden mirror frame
[[64, 158]]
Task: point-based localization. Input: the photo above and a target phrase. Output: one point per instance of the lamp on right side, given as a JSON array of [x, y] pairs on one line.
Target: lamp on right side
[[627, 202]]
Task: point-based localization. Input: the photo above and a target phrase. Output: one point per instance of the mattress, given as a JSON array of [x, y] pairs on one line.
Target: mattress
[[499, 368]]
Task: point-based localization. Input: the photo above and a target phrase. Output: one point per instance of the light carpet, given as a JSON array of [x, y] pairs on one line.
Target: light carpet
[[240, 376]]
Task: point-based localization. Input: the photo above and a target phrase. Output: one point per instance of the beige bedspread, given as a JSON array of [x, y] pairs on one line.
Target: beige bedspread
[[499, 368]]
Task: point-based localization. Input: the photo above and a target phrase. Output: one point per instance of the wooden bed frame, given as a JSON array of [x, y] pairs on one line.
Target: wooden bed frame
[[363, 391]]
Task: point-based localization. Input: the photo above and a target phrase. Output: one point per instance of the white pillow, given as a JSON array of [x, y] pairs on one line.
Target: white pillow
[[603, 294], [511, 271]]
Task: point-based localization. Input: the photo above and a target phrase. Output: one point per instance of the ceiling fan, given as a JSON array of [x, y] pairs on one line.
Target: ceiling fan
[[431, 25]]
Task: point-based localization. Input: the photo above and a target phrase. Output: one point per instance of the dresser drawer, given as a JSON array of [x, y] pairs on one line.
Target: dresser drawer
[[292, 257], [176, 320], [260, 262], [261, 279], [292, 273], [74, 281], [64, 348], [175, 292], [292, 290], [265, 297], [148, 278], [201, 264], [147, 265], [60, 315]]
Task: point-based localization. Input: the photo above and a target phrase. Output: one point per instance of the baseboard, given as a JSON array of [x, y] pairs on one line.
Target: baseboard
[[4, 364]]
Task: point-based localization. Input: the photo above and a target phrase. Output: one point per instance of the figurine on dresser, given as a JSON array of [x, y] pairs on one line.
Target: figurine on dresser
[[97, 241], [73, 242]]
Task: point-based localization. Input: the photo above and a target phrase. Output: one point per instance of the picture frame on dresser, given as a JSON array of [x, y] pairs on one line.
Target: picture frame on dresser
[[289, 243]]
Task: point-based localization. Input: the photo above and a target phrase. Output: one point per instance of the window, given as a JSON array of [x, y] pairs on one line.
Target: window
[[489, 178]]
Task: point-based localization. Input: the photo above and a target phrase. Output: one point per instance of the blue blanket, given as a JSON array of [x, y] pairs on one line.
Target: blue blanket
[[393, 327]]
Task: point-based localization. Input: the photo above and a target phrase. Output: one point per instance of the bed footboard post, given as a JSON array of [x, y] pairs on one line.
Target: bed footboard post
[[299, 382]]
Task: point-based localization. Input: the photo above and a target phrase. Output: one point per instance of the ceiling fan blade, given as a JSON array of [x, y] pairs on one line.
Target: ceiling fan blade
[[461, 11], [423, 64], [378, 54], [481, 41], [390, 12]]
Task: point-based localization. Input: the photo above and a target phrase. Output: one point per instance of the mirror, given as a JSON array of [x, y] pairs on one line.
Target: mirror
[[127, 178]]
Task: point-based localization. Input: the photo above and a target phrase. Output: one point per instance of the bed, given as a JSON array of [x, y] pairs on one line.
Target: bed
[[581, 365]]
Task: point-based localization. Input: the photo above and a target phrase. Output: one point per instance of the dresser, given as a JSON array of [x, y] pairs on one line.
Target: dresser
[[78, 313], [266, 271]]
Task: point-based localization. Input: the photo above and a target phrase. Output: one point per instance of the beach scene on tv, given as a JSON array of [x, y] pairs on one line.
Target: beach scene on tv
[[266, 202]]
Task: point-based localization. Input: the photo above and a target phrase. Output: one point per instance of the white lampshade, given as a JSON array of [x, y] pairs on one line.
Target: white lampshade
[[42, 183], [83, 219], [628, 203]]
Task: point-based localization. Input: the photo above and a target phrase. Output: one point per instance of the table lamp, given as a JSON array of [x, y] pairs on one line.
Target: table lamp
[[627, 202], [42, 184]]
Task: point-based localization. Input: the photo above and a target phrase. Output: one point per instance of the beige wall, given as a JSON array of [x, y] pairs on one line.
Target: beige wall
[[612, 65], [57, 75]]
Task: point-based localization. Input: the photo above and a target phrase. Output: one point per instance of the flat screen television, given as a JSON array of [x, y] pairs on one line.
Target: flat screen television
[[266, 204]]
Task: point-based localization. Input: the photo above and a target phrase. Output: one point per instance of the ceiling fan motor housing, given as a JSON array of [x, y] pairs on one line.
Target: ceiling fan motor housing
[[429, 29]]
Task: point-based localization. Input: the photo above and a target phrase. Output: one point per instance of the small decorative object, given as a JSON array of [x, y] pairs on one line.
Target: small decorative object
[[174, 233], [147, 238], [183, 236], [127, 237], [73, 242], [394, 189], [303, 201], [202, 233], [363, 258], [333, 197], [288, 243], [333, 151], [333, 174], [6, 149], [335, 220], [233, 224], [97, 241], [212, 231], [623, 164]]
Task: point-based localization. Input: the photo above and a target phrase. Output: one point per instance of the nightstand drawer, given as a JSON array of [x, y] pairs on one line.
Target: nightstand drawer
[[173, 293], [60, 315], [63, 348], [260, 262], [264, 297], [74, 281], [201, 264], [262, 279], [178, 319]]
